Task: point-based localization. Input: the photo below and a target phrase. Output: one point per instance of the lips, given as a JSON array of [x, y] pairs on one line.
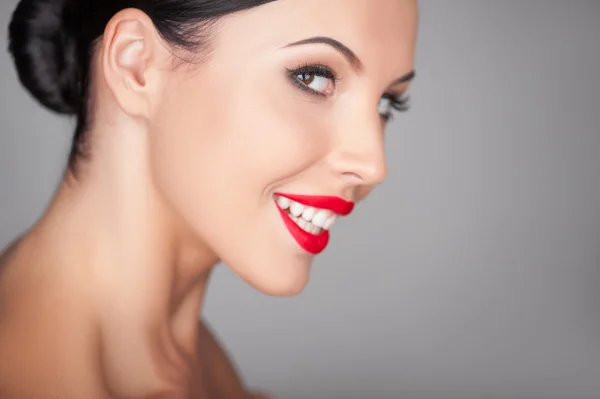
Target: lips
[[312, 241], [334, 204]]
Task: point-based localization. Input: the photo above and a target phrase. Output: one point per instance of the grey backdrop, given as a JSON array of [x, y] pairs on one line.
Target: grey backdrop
[[474, 272]]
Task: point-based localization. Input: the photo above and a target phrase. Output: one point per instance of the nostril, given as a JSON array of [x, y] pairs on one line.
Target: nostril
[[354, 177]]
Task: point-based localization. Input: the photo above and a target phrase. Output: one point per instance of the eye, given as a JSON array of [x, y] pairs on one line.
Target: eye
[[314, 79], [389, 102]]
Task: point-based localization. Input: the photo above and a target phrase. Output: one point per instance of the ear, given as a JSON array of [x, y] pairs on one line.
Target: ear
[[130, 58]]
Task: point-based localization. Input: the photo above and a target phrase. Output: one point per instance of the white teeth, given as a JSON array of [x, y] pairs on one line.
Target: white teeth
[[303, 223], [320, 218], [329, 222], [308, 213], [296, 209], [284, 203], [312, 220]]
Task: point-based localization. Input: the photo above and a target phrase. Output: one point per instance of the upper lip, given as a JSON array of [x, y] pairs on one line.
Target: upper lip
[[335, 204]]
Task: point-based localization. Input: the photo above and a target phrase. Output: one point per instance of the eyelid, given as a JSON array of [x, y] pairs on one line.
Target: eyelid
[[315, 68], [400, 102]]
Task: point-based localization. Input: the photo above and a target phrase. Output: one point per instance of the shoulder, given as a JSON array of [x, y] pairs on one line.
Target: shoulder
[[7, 258], [224, 380], [7, 253]]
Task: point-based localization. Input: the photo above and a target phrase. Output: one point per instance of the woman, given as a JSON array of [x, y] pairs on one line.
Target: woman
[[207, 131]]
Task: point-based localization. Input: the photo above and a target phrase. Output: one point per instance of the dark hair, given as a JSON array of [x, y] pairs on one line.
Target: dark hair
[[52, 42]]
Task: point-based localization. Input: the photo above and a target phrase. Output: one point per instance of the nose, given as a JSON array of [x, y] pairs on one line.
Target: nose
[[359, 156]]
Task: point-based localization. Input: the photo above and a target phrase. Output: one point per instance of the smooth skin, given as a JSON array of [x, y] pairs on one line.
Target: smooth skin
[[101, 297]]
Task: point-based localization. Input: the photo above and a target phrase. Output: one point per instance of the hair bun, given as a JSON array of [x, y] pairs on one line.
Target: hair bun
[[44, 51]]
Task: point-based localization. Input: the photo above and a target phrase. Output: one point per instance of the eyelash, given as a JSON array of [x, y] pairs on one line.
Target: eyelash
[[317, 69], [399, 103]]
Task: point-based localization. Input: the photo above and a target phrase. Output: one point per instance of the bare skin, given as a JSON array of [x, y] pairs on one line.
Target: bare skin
[[101, 297], [215, 371]]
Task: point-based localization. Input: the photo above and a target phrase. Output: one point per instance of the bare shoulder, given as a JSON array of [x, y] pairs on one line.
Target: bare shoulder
[[7, 256], [223, 378], [7, 253]]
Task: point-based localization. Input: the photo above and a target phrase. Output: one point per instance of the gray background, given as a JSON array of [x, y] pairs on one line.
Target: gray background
[[473, 272]]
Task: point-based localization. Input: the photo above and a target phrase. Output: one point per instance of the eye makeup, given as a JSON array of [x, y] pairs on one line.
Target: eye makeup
[[305, 74], [400, 103]]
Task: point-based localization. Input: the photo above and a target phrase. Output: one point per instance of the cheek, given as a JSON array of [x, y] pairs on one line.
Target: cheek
[[216, 156], [181, 149], [218, 151]]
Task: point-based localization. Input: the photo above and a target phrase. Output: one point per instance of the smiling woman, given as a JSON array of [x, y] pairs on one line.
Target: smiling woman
[[207, 131]]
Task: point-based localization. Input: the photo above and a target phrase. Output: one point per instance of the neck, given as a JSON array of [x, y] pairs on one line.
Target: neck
[[141, 275]]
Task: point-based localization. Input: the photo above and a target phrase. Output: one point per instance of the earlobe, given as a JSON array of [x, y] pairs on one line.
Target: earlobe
[[128, 58]]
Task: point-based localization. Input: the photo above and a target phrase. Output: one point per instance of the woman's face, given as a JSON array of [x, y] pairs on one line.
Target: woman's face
[[263, 118]]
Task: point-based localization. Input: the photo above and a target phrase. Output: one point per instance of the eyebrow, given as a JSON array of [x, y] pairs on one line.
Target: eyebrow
[[349, 54], [403, 79], [345, 51]]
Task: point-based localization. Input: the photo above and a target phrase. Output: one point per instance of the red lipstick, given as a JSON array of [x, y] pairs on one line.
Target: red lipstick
[[313, 243], [334, 204], [309, 242]]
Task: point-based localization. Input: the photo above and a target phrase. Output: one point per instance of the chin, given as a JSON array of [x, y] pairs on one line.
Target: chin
[[288, 289], [281, 280]]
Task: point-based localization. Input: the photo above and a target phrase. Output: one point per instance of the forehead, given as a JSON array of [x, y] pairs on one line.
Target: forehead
[[380, 32]]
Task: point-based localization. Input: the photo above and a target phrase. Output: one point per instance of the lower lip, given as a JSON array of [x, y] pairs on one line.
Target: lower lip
[[311, 243]]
